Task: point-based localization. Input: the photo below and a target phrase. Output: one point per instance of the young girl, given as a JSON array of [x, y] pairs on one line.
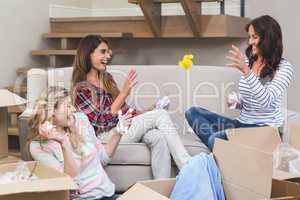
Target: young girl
[[265, 77], [65, 140], [97, 95]]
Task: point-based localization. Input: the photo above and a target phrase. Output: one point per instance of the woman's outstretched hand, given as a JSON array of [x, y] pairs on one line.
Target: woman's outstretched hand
[[130, 82], [237, 59]]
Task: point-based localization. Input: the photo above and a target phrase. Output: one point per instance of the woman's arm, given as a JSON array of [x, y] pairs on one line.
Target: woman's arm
[[83, 102], [122, 128], [113, 143], [129, 83], [265, 95]]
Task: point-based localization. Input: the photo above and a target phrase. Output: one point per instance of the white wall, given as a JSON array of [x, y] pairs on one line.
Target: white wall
[[22, 22], [73, 3]]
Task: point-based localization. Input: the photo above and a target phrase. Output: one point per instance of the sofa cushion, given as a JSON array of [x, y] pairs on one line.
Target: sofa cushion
[[139, 154]]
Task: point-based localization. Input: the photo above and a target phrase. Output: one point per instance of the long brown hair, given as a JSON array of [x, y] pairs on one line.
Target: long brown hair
[[83, 64], [270, 45]]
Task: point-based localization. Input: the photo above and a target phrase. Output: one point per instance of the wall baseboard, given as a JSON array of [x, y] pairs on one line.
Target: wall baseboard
[[68, 11]]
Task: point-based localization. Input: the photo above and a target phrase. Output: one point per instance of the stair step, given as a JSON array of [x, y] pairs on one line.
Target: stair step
[[211, 26], [173, 1], [13, 131], [81, 35], [93, 19], [53, 53]]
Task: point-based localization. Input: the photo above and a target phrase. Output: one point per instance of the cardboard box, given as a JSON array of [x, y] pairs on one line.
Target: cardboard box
[[245, 162], [9, 159], [51, 185], [7, 99], [150, 190]]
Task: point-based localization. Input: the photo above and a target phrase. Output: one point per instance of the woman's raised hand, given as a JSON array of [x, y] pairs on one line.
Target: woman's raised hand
[[130, 82], [237, 59]]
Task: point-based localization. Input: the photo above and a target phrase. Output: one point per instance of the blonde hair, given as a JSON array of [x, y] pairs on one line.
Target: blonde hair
[[48, 101]]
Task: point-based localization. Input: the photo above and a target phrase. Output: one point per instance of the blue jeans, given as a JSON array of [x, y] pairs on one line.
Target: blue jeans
[[208, 125]]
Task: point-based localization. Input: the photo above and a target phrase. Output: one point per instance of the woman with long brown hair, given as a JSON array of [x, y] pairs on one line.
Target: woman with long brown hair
[[265, 77], [96, 94]]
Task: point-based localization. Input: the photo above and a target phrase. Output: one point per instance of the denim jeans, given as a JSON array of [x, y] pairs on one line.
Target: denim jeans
[[208, 125]]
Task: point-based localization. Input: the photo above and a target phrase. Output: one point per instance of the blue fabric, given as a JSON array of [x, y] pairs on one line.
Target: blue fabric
[[199, 179], [209, 125]]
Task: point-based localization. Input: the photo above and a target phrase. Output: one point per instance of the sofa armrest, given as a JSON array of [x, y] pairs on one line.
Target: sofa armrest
[[23, 134], [36, 83]]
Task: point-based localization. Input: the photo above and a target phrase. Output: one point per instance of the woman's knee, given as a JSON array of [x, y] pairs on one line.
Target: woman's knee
[[193, 112]]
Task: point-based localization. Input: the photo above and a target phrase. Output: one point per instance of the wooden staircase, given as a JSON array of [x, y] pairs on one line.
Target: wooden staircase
[[67, 32]]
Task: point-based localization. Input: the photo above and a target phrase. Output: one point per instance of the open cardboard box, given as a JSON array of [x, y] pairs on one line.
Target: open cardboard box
[[245, 162], [246, 165], [150, 190], [51, 185], [7, 99]]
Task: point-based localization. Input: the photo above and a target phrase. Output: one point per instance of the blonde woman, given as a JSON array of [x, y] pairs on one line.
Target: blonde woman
[[97, 95], [65, 140]]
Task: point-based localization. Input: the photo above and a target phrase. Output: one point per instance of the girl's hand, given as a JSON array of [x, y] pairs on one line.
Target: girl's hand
[[130, 82], [125, 122], [237, 59], [49, 132]]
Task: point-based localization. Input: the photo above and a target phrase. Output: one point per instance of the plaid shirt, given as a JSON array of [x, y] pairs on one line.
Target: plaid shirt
[[96, 103]]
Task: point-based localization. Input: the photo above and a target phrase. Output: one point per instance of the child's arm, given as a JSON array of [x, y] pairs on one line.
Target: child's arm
[[70, 166]]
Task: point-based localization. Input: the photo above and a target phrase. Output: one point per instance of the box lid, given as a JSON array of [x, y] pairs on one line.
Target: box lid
[[49, 180], [10, 99], [150, 190], [244, 167], [263, 138]]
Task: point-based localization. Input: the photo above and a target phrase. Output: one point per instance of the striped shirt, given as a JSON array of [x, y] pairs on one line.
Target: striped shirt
[[261, 102], [92, 180]]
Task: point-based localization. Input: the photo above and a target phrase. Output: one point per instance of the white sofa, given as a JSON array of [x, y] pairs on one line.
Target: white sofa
[[204, 86]]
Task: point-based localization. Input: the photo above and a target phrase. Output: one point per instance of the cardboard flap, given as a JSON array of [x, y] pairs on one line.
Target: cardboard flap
[[244, 167], [262, 138], [281, 189], [236, 192], [49, 180], [162, 186], [140, 191], [282, 175], [294, 135], [10, 99]]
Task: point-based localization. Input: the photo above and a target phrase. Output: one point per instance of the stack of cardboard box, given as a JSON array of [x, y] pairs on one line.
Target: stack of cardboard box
[[246, 165]]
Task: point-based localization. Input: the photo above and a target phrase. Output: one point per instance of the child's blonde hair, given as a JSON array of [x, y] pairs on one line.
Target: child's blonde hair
[[44, 108]]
